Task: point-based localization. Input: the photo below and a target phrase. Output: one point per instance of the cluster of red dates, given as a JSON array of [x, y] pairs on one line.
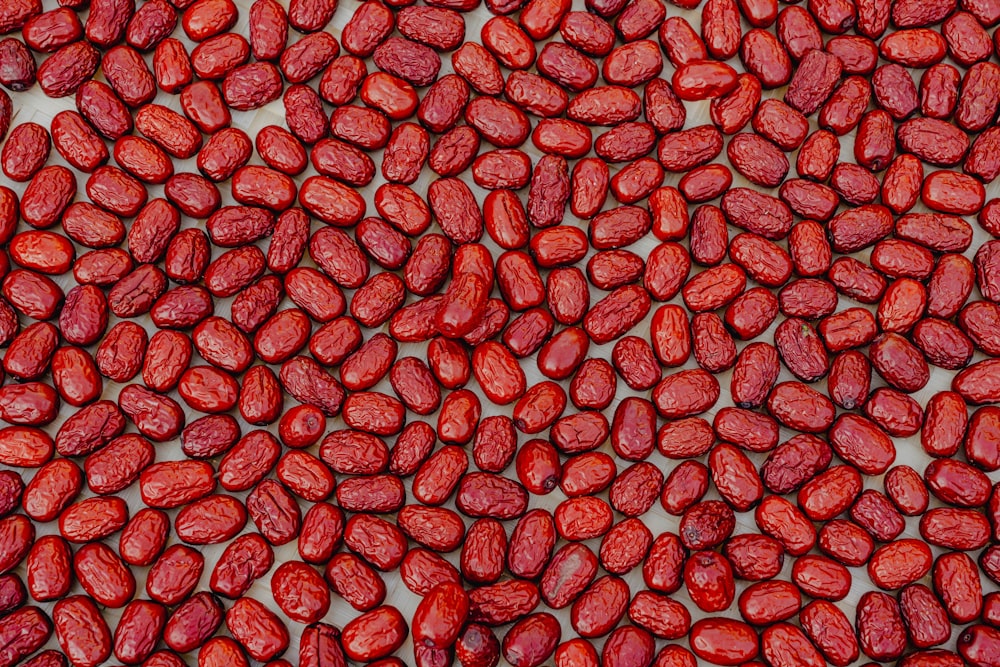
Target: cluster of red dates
[[866, 267]]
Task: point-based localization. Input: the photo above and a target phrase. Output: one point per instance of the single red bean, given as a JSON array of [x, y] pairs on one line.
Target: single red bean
[[81, 631]]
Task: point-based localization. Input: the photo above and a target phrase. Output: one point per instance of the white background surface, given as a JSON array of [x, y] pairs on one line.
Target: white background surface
[[34, 106]]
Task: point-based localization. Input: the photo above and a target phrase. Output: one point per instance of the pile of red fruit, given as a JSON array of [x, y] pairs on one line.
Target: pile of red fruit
[[214, 319]]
